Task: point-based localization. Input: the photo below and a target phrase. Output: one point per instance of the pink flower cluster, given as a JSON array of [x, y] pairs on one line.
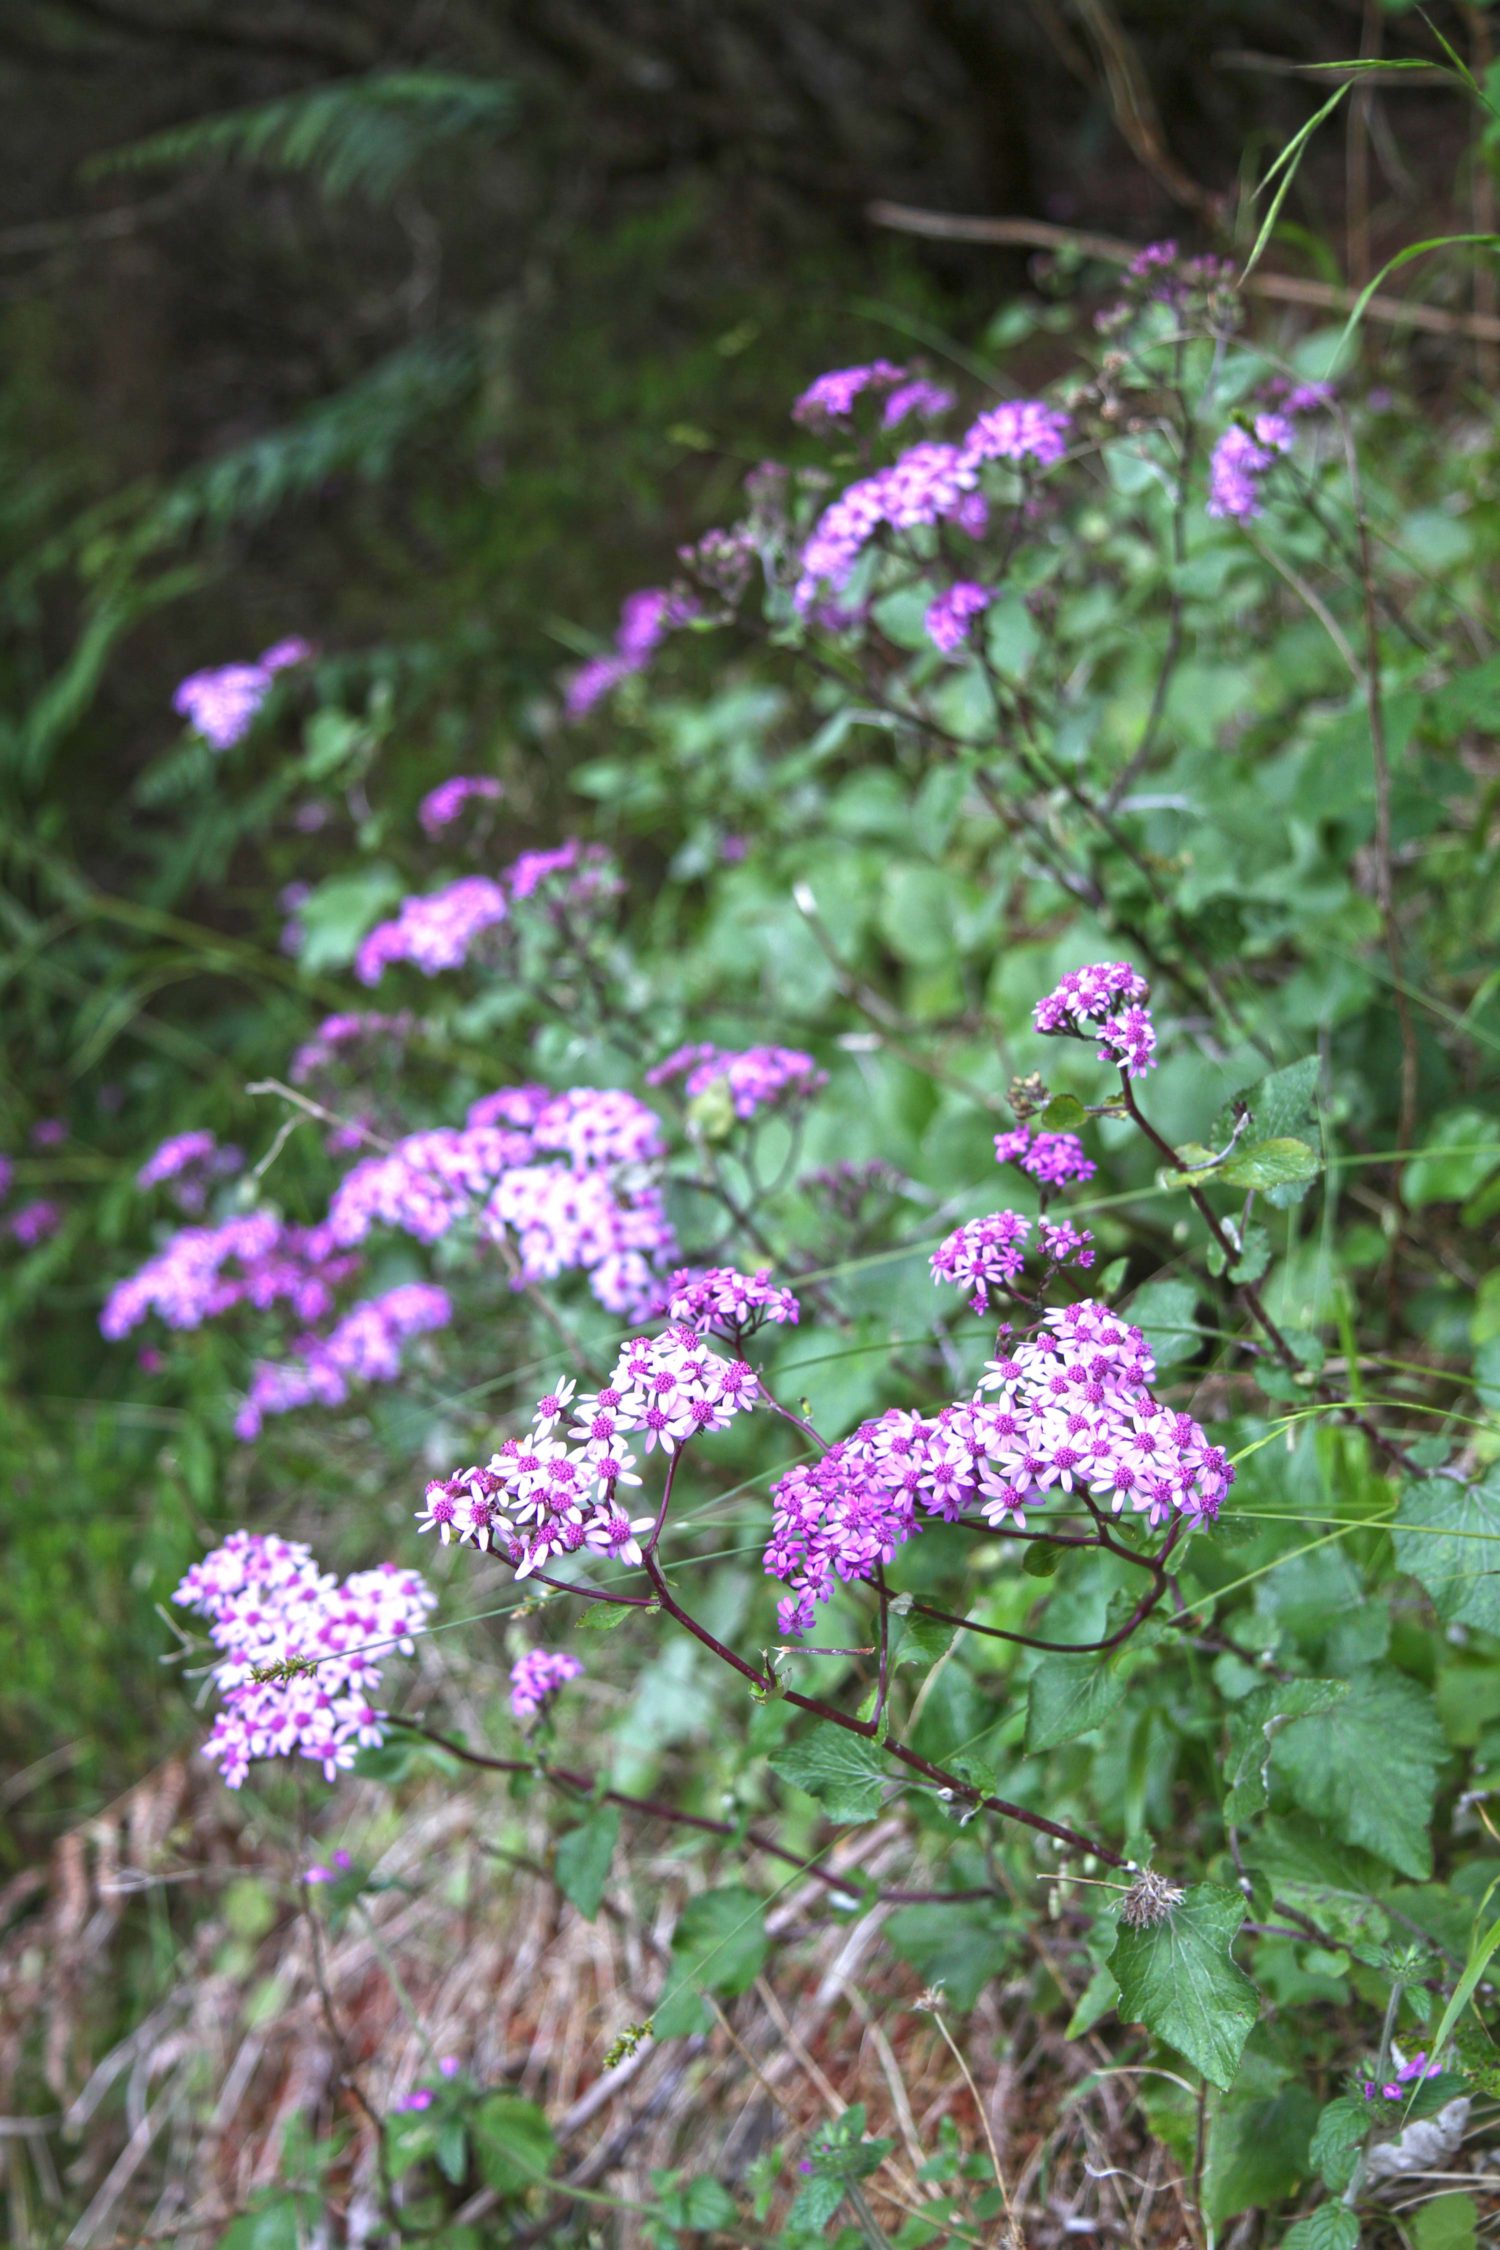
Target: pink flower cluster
[[721, 1302], [1239, 464], [1102, 1002], [567, 879], [756, 1077], [928, 484], [949, 618], [442, 806], [438, 930], [434, 931], [1051, 1159], [221, 704], [191, 1162], [594, 1212], [1068, 1408], [833, 397], [549, 1494], [646, 618], [301, 1654], [34, 1222], [537, 1676], [364, 1347], [254, 1258], [988, 1254]]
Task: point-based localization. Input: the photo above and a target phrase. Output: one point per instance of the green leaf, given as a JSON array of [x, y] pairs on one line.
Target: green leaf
[[1446, 2222], [1285, 1104], [1447, 1537], [959, 1948], [1166, 1314], [1063, 1114], [1257, 2153], [1180, 1981], [1269, 1164], [582, 1859], [336, 915], [599, 1617], [924, 1641], [814, 2205], [1332, 2226], [1253, 1726], [1332, 1884], [514, 2145], [1368, 1767], [846, 1774], [1460, 1154], [1068, 1696], [719, 1945], [1337, 2140]]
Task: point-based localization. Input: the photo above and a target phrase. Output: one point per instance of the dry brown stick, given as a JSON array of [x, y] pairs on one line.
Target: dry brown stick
[[1291, 289]]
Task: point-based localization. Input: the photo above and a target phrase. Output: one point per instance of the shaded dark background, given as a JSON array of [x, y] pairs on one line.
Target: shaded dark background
[[590, 309]]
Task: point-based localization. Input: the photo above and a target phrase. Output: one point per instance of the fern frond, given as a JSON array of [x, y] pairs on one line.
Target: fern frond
[[355, 433], [356, 136]]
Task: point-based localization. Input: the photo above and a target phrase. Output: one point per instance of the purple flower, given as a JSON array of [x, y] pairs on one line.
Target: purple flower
[[926, 400], [734, 1305], [252, 1258], [553, 1493], [366, 1346], [537, 1676], [1418, 2067], [1088, 1003], [948, 618], [7, 1174], [221, 704], [299, 1653], [442, 806], [646, 618], [421, 2098], [755, 1077], [1239, 463], [833, 396], [35, 1222], [1068, 1409], [434, 932], [190, 1163], [1052, 1159], [49, 1132], [568, 879], [1021, 429]]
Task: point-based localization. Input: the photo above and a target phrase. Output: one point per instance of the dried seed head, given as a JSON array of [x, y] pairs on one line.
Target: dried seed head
[[1149, 1901]]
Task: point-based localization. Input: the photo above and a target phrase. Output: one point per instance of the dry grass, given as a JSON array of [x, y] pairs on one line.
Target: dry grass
[[468, 1949]]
